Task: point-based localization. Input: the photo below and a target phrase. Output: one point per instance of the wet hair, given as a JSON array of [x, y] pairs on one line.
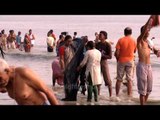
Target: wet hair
[[51, 31], [90, 44], [19, 32], [3, 65], [30, 30], [85, 38], [127, 31], [64, 33], [96, 33], [11, 31], [75, 33], [104, 33], [2, 31], [61, 36], [67, 38]]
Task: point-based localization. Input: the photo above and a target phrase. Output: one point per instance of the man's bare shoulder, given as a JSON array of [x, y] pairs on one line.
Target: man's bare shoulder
[[27, 73], [23, 70]]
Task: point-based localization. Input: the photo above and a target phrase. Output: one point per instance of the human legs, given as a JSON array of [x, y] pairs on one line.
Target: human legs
[[53, 80], [106, 76], [95, 91], [129, 77], [144, 81], [90, 88], [120, 74], [82, 80]]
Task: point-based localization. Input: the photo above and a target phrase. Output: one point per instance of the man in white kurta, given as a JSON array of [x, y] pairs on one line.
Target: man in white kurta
[[93, 70]]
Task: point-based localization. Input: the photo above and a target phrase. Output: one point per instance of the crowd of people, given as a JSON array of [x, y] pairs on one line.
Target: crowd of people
[[13, 41], [96, 55], [92, 66]]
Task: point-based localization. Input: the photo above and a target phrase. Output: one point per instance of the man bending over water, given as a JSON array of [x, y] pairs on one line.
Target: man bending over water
[[24, 86]]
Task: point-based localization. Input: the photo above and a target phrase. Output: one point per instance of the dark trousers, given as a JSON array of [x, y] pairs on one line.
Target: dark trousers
[[83, 78], [91, 89], [49, 49]]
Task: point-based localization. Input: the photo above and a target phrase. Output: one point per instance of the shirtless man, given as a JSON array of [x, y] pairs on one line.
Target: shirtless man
[[11, 39], [24, 86], [4, 40], [143, 69], [32, 37]]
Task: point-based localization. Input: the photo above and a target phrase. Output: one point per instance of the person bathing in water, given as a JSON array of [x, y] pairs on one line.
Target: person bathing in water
[[24, 86]]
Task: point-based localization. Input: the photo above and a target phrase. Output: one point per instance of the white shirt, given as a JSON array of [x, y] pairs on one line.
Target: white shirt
[[50, 41], [92, 59]]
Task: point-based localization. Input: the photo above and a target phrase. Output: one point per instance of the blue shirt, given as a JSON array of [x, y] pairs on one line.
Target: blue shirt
[[18, 39]]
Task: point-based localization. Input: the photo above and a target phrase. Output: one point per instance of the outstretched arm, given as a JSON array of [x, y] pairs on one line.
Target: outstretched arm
[[33, 80]]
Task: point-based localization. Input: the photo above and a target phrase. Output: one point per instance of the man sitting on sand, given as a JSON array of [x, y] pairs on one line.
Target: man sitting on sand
[[24, 86]]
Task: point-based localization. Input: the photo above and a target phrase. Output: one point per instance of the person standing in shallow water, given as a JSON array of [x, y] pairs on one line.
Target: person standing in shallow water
[[66, 53], [18, 41], [92, 60], [125, 49], [50, 43], [4, 40], [59, 43], [32, 37], [24, 86], [106, 51], [57, 74], [143, 69], [27, 43], [11, 39]]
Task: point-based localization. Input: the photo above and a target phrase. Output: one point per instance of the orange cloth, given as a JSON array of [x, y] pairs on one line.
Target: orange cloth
[[126, 46]]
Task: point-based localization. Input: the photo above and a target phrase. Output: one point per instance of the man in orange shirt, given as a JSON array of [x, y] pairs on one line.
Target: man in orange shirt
[[125, 49]]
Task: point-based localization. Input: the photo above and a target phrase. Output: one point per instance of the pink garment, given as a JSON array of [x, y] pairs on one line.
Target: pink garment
[[57, 72]]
